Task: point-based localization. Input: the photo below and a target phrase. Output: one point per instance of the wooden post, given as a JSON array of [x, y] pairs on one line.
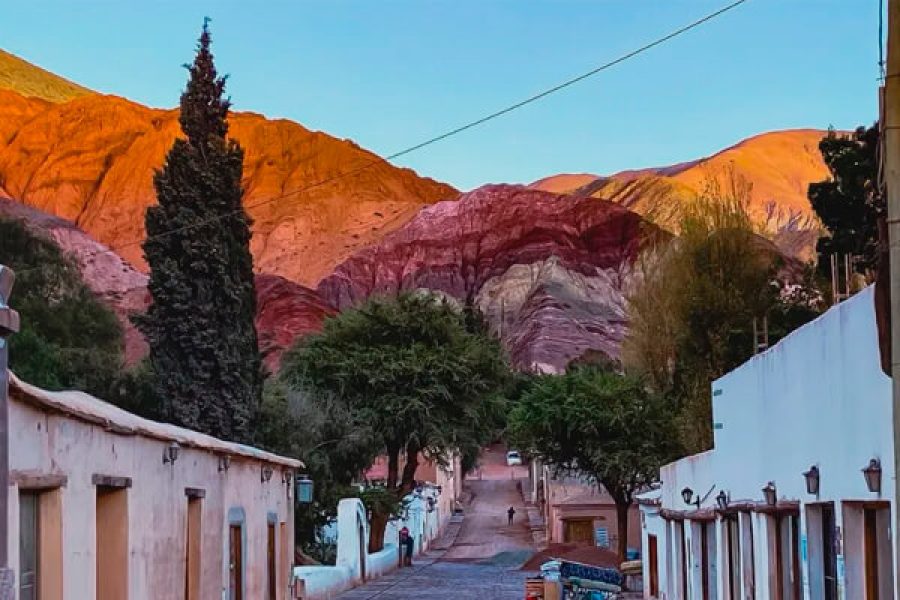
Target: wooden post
[[890, 129], [9, 324]]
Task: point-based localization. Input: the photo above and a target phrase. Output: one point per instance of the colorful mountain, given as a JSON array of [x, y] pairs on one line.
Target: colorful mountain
[[32, 81]]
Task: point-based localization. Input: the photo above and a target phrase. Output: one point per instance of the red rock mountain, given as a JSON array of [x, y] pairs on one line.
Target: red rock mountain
[[779, 166], [91, 160], [548, 271], [285, 310]]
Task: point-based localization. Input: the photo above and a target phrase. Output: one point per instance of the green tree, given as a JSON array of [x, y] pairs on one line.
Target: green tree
[[200, 325], [598, 424], [69, 339], [412, 369], [691, 319], [850, 202]]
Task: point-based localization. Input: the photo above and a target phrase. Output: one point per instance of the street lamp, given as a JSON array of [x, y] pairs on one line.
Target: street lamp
[[770, 493], [812, 480], [304, 490], [687, 494], [872, 473], [722, 500]]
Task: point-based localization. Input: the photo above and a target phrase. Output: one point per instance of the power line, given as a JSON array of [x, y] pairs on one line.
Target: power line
[[453, 132]]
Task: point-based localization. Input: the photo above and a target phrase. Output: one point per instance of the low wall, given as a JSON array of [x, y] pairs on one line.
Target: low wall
[[354, 564]]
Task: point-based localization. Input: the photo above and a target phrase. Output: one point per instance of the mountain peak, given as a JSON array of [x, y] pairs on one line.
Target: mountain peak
[[32, 81]]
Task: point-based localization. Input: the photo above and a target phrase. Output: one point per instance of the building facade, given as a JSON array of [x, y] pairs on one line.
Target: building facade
[[795, 499], [105, 505]]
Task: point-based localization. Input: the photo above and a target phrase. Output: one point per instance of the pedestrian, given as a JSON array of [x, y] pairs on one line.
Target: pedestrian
[[511, 513], [404, 536], [410, 542]]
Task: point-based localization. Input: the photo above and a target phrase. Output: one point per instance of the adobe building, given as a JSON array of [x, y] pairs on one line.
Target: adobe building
[[795, 500], [106, 505]]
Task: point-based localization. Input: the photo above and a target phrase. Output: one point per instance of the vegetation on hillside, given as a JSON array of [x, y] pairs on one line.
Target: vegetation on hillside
[[68, 339], [415, 373], [692, 316], [200, 325], [29, 80]]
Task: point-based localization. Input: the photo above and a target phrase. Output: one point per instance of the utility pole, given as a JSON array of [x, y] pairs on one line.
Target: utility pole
[[9, 324], [890, 129]]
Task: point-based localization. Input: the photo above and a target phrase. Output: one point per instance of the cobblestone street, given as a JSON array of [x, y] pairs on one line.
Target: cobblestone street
[[478, 557]]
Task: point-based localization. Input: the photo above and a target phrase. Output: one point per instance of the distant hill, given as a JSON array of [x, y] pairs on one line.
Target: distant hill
[[779, 166], [34, 82]]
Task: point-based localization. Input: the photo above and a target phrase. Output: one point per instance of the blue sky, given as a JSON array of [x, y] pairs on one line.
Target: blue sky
[[391, 73]]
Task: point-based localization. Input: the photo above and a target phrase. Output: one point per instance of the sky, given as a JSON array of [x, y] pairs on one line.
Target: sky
[[389, 74]]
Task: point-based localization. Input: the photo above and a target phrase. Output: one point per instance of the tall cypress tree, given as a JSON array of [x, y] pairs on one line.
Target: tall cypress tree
[[203, 343]]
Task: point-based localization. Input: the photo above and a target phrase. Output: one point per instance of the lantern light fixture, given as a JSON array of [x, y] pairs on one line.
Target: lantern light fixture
[[304, 489], [722, 500], [812, 480], [770, 493], [872, 473], [224, 462], [687, 494], [170, 453], [265, 473]]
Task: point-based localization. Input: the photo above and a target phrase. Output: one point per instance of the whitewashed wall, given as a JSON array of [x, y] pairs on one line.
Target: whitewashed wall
[[818, 397]]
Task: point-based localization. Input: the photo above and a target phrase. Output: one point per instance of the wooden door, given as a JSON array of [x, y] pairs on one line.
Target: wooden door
[[684, 561], [653, 563], [235, 564], [272, 562], [795, 557], [580, 531], [829, 552], [734, 556], [192, 550], [704, 561], [29, 537], [871, 550]]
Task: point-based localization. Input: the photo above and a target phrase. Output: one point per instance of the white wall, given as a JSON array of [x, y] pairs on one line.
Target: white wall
[[818, 397], [43, 443]]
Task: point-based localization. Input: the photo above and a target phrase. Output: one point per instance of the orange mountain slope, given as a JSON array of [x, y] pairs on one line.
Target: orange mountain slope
[[778, 165], [91, 160], [34, 82]]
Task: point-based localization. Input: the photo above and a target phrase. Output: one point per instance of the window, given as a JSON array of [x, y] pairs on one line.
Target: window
[[40, 538]]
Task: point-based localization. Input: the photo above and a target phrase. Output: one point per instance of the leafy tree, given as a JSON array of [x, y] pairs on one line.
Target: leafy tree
[[334, 444], [691, 319], [69, 339], [200, 327], [599, 424], [411, 368], [850, 202]]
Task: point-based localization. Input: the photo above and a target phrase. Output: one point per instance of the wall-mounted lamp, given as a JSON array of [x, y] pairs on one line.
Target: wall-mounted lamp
[[286, 477], [170, 453], [722, 500], [770, 493], [687, 494], [812, 480], [304, 490], [265, 474], [872, 473], [224, 462]]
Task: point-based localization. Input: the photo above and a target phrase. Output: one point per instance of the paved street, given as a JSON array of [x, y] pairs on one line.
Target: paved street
[[477, 558]]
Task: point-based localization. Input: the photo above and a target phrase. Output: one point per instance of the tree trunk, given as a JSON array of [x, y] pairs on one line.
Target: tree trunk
[[622, 517], [377, 526], [408, 483], [393, 455]]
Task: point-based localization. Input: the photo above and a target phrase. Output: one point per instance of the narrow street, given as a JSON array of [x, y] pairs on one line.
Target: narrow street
[[478, 557]]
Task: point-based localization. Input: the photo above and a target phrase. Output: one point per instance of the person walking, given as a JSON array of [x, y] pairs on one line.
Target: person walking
[[511, 513], [410, 543], [404, 537]]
